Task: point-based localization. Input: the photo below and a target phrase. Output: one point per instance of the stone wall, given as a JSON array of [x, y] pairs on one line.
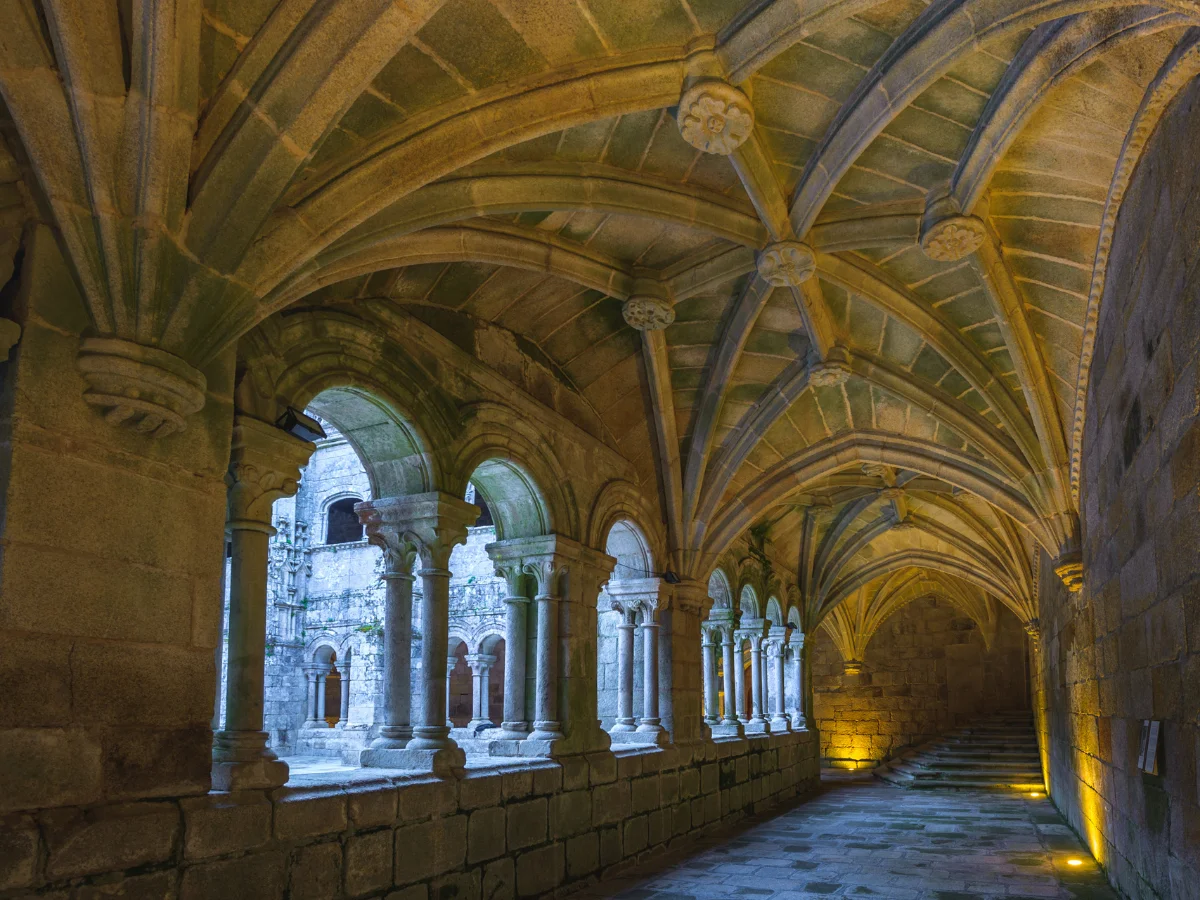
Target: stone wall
[[1127, 647], [526, 829], [927, 670]]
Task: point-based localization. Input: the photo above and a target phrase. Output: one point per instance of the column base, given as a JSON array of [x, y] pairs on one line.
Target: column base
[[799, 723], [392, 737], [427, 737], [320, 725], [439, 762], [758, 726], [780, 724], [728, 730], [259, 774], [623, 725], [479, 723]]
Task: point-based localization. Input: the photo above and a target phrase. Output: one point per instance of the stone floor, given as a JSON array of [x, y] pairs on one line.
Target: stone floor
[[862, 838]]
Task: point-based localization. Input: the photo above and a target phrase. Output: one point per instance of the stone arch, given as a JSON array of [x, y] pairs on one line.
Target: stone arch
[[748, 602], [329, 508], [626, 542], [525, 486], [774, 613], [620, 500], [719, 589]]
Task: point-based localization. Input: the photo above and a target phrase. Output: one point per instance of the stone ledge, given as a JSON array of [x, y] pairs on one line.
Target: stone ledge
[[533, 828]]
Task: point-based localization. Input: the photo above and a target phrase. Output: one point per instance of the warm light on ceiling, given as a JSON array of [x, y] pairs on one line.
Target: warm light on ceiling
[[1034, 794], [1074, 862]]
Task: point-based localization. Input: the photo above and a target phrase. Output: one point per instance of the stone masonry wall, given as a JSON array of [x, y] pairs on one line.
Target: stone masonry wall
[[523, 830], [926, 671], [1127, 647]]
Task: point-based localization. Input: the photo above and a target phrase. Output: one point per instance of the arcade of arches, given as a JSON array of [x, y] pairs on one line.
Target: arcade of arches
[[599, 419]]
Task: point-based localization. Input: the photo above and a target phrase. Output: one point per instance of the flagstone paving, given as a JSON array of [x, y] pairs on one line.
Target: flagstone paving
[[863, 838]]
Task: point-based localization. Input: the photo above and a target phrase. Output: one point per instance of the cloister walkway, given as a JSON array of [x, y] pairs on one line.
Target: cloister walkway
[[858, 837]]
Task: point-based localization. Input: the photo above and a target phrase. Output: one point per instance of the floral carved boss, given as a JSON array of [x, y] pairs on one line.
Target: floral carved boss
[[715, 117]]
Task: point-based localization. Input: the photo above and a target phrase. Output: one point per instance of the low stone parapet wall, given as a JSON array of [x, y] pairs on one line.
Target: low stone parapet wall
[[519, 830]]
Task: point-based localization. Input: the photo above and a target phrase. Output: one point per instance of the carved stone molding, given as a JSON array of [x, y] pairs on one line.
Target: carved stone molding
[[649, 306], [715, 117], [1069, 568], [787, 264], [264, 466], [10, 333], [146, 388], [951, 239], [833, 371], [852, 667], [427, 525]]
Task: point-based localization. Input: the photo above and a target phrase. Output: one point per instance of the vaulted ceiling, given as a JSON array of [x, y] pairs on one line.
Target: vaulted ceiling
[[863, 256]]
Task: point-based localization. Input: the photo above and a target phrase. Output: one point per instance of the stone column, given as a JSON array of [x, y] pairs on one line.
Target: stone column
[[799, 721], [775, 653], [396, 729], [264, 466], [625, 636], [709, 649], [481, 664], [431, 525], [451, 665], [515, 726], [650, 722], [681, 609], [757, 721], [310, 694], [321, 723], [730, 726], [546, 727], [344, 672], [739, 682]]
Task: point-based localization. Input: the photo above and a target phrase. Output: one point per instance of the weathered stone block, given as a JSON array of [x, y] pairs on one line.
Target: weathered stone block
[[422, 799], [603, 768], [527, 823], [583, 855], [45, 767], [575, 773], [456, 886], [499, 880], [570, 813], [479, 789], [18, 852], [223, 879], [154, 886], [316, 872], [540, 871], [547, 780], [485, 834], [610, 803], [517, 785], [368, 862], [308, 812], [217, 824], [635, 835], [369, 807], [643, 793], [610, 846], [108, 838]]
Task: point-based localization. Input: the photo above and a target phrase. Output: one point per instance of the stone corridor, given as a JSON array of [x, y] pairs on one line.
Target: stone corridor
[[858, 837]]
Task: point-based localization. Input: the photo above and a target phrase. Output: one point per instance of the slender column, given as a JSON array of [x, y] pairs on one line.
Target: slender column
[[310, 692], [799, 721], [625, 636], [709, 648], [344, 718], [219, 651], [546, 726], [739, 679], [650, 719], [756, 682], [775, 653], [731, 662], [516, 724], [396, 729], [766, 682], [431, 524], [451, 665], [481, 664], [321, 723], [264, 467]]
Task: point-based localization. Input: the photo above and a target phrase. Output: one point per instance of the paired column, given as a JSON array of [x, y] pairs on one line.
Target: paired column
[[630, 596], [428, 526], [731, 663], [451, 664], [310, 692], [758, 722], [776, 648], [321, 676], [567, 578], [481, 664], [264, 466], [396, 730]]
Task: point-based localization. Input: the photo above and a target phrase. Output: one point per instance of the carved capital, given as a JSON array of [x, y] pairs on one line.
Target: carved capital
[[146, 388], [833, 371], [852, 667], [648, 594], [1069, 568], [1033, 628], [10, 333], [787, 264], [547, 558], [426, 525], [264, 466], [649, 306], [715, 117]]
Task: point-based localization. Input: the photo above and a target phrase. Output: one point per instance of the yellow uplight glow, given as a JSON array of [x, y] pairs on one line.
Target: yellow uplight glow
[[1034, 794], [1074, 862]]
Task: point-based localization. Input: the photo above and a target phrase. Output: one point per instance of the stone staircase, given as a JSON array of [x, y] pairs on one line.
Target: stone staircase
[[999, 753]]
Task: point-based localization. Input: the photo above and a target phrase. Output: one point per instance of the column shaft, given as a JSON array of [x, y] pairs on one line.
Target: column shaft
[[344, 713], [650, 718], [396, 730], [756, 682], [625, 637], [732, 682], [431, 732], [516, 722], [710, 679], [546, 726], [321, 723]]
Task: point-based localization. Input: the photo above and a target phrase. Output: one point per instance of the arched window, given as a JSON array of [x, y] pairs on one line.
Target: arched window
[[342, 525]]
